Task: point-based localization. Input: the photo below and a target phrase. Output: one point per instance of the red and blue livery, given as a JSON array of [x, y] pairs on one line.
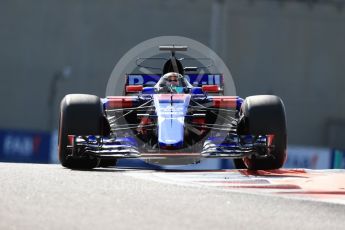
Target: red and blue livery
[[177, 116]]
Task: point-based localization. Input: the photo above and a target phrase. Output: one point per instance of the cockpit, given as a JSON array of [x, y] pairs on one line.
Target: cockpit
[[173, 82]]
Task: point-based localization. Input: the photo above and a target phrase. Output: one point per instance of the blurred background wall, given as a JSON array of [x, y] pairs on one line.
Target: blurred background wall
[[292, 48]]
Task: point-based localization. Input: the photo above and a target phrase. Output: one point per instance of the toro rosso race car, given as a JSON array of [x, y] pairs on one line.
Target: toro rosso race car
[[172, 118]]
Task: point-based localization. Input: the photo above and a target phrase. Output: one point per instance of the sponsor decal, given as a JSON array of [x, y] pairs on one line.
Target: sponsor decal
[[24, 146], [194, 79], [21, 145], [308, 157]]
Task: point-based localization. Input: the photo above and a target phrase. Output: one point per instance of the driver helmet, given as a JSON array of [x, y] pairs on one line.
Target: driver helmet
[[172, 79]]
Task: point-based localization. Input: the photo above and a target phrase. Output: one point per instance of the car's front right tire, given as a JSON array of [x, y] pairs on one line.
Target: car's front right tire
[[264, 115]]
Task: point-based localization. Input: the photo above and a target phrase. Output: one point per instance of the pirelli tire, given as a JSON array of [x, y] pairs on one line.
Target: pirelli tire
[[264, 115], [80, 114]]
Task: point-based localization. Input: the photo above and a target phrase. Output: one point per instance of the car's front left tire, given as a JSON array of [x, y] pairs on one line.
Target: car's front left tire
[[80, 114]]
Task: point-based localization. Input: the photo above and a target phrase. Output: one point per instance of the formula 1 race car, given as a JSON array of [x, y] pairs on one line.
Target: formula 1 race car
[[172, 118]]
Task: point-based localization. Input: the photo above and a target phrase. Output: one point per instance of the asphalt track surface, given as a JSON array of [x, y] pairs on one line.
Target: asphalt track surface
[[36, 196]]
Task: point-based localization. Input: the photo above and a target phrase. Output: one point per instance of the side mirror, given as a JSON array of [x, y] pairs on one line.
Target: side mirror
[[134, 88], [210, 88]]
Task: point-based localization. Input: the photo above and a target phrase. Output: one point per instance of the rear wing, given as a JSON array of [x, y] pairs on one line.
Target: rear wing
[[197, 80]]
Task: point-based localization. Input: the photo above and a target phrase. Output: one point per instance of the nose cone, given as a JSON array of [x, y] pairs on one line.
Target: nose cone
[[171, 110], [171, 132]]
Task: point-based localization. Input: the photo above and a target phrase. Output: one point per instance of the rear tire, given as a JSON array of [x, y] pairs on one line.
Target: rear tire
[[80, 114], [265, 115]]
